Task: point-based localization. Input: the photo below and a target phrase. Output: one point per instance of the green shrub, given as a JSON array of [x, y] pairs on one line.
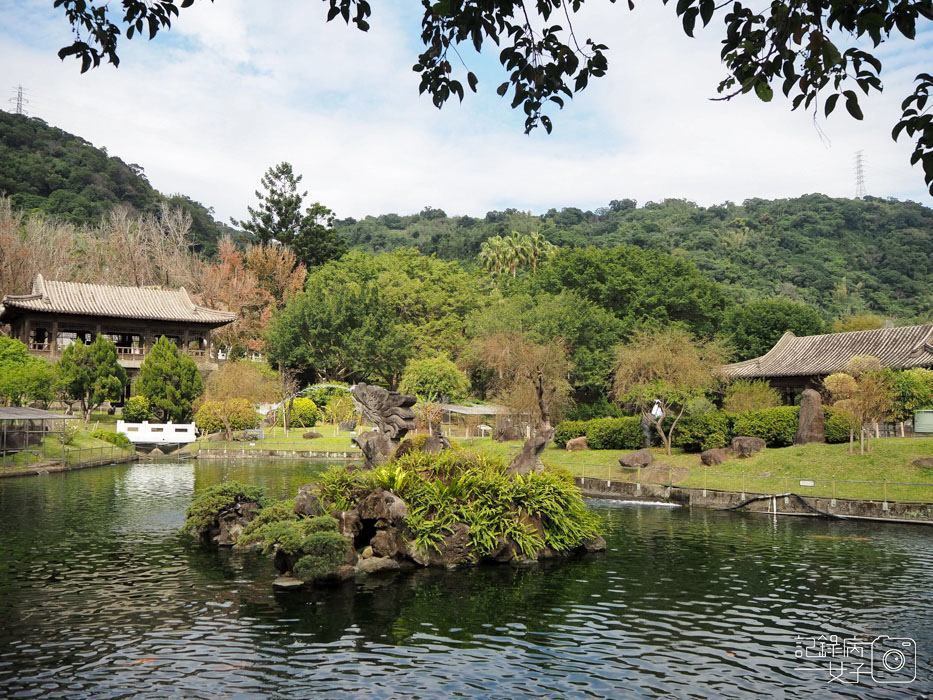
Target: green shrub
[[601, 408], [835, 426], [434, 378], [615, 434], [137, 409], [746, 395], [776, 426], [324, 552], [305, 414], [208, 503], [339, 408], [703, 432], [240, 412], [118, 439], [321, 395], [568, 430], [699, 406], [71, 431]]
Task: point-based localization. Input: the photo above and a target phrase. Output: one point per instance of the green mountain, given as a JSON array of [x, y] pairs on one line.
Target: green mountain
[[841, 256], [48, 170]]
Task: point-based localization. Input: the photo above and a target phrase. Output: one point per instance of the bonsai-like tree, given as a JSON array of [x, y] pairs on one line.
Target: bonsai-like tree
[[666, 368]]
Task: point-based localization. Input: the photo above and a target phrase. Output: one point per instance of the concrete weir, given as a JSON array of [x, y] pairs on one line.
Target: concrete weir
[[778, 504]]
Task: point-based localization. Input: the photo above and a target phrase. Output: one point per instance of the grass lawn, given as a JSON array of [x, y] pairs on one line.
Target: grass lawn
[[275, 439], [774, 470], [82, 448]]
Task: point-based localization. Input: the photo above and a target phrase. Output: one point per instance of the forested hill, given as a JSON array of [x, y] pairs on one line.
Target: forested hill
[[45, 169], [842, 256]]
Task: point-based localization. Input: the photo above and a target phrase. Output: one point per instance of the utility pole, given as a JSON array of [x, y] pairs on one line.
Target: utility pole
[[19, 101], [859, 175]]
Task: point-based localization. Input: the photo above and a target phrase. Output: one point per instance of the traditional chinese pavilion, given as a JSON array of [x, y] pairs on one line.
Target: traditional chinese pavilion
[[58, 313]]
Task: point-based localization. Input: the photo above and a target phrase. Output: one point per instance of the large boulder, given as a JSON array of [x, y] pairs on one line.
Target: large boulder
[[504, 550], [810, 426], [506, 431], [311, 435], [577, 443], [923, 462], [349, 523], [596, 544], [307, 502], [436, 443], [388, 542], [641, 458], [744, 446], [456, 548], [231, 521], [713, 457], [378, 448], [374, 565], [385, 506]]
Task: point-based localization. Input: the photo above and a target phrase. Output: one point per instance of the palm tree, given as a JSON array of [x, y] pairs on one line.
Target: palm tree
[[540, 249]]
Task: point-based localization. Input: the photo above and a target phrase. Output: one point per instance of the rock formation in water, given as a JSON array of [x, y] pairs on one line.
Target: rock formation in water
[[391, 413]]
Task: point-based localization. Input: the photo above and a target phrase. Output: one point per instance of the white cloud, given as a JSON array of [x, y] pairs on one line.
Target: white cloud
[[238, 86]]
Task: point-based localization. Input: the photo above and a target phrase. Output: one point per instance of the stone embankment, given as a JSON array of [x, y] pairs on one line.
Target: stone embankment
[[780, 504]]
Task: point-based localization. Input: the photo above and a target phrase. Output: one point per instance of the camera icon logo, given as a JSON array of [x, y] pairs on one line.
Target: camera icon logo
[[893, 660]]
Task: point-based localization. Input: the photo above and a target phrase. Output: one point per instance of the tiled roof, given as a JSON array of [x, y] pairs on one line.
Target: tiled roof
[[901, 348], [119, 302]]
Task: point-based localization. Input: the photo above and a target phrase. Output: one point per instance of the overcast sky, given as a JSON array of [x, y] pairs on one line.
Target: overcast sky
[[238, 86]]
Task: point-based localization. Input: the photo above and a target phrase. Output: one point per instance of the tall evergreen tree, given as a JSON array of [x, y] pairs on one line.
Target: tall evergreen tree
[[279, 217], [170, 381]]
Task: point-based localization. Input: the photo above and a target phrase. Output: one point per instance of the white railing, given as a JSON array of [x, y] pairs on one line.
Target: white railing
[[158, 433]]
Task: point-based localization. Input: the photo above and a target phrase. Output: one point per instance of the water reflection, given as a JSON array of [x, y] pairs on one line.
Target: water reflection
[[101, 596]]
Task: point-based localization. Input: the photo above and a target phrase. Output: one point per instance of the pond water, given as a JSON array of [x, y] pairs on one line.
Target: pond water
[[100, 596]]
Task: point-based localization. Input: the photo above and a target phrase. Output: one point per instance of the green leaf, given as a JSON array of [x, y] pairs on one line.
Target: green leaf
[[830, 104], [764, 92], [852, 104]]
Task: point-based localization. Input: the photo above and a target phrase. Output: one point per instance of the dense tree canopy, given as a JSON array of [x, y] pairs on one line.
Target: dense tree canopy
[[638, 286], [806, 50], [23, 378], [843, 257], [754, 328], [90, 374]]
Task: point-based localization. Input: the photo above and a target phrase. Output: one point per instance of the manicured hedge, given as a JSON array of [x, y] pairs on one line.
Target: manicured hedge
[[603, 433], [118, 439], [835, 426], [776, 426], [704, 432], [241, 413], [568, 430], [615, 434], [305, 414]]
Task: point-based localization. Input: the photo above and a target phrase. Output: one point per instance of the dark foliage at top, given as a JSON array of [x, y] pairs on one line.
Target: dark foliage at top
[[840, 256]]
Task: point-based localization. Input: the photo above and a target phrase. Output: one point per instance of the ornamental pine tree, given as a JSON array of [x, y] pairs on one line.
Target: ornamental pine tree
[[170, 381]]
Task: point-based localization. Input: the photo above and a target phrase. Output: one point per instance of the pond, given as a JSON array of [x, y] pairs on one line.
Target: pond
[[100, 596]]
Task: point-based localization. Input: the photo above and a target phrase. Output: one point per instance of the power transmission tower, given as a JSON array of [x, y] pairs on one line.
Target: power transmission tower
[[19, 101], [859, 175]]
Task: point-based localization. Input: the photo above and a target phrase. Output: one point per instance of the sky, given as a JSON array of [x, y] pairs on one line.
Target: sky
[[236, 87]]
